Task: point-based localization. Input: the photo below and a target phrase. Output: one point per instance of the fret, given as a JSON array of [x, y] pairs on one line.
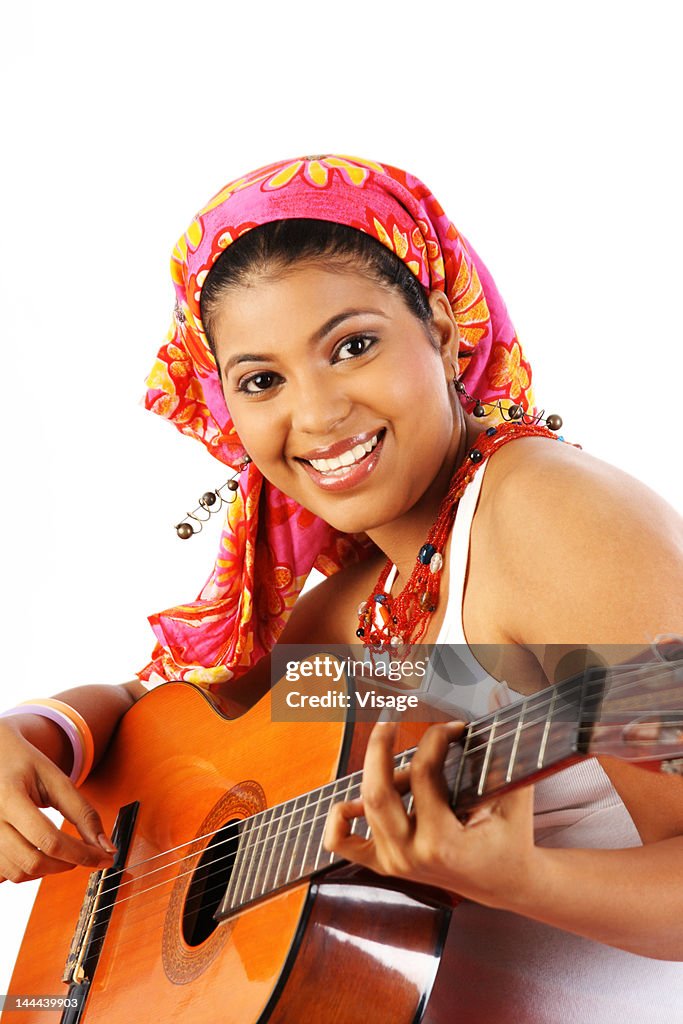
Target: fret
[[590, 701], [307, 827], [242, 861], [257, 855], [546, 730], [487, 757], [515, 743], [330, 794], [289, 836], [261, 851], [457, 785], [282, 822], [299, 832]]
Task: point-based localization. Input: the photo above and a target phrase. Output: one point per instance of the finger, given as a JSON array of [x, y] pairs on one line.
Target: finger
[[340, 822], [430, 791], [22, 813], [383, 806], [22, 862], [44, 835], [338, 837], [70, 801]]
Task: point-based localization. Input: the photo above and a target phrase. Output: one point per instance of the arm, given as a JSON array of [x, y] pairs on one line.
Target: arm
[[35, 757], [101, 706], [611, 560]]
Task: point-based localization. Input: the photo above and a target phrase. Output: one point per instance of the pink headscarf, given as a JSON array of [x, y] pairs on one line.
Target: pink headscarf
[[270, 543]]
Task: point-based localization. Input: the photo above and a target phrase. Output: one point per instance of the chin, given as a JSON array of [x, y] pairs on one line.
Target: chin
[[356, 521]]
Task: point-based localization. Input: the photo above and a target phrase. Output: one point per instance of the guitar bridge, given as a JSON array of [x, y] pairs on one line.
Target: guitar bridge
[[73, 970], [98, 905]]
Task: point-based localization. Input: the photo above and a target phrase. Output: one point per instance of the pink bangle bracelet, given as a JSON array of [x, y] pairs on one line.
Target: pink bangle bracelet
[[65, 723]]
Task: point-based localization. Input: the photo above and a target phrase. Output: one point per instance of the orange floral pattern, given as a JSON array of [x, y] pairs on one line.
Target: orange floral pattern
[[508, 371]]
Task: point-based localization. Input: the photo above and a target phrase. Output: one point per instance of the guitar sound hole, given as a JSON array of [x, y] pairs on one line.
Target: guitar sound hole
[[211, 877]]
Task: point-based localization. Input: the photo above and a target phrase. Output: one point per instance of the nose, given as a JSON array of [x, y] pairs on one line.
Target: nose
[[319, 408]]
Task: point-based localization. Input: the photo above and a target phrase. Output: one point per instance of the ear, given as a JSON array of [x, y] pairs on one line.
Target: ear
[[444, 331]]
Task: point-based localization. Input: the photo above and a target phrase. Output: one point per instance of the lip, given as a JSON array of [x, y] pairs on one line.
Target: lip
[[351, 475], [338, 447]]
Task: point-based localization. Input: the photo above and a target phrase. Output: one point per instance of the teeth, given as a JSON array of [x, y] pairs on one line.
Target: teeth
[[347, 458]]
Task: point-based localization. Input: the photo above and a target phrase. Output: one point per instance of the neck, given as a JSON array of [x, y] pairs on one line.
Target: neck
[[401, 539]]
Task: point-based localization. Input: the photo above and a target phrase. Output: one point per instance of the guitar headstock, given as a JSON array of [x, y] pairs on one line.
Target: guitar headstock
[[641, 714]]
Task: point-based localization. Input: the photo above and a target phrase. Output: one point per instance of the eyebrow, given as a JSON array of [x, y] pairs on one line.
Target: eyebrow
[[327, 327]]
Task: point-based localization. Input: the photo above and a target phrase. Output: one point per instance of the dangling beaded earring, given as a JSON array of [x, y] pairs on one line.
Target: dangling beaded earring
[[210, 503], [513, 413]]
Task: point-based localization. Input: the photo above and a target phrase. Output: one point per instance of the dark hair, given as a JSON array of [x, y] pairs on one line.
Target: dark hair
[[275, 247]]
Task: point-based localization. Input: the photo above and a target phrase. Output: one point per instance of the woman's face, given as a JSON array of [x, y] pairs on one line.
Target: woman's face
[[336, 391]]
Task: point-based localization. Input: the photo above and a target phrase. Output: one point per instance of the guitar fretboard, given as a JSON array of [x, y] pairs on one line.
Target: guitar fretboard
[[283, 845]]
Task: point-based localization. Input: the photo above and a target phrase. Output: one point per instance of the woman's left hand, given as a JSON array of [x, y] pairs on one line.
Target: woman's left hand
[[487, 859]]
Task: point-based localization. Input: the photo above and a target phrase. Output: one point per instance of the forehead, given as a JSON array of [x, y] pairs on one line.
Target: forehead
[[296, 302]]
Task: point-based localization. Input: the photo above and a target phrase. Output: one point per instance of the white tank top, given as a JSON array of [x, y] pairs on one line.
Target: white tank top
[[510, 969]]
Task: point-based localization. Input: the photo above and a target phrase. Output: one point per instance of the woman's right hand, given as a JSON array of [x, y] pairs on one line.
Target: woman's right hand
[[31, 846]]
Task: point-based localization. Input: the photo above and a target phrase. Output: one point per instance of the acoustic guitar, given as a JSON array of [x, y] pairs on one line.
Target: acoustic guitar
[[223, 905]]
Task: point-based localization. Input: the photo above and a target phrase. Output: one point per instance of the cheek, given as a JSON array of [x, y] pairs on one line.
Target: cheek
[[418, 395], [258, 432]]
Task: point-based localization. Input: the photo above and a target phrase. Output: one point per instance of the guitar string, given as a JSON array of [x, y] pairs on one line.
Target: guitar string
[[253, 848], [312, 793], [278, 820], [473, 732]]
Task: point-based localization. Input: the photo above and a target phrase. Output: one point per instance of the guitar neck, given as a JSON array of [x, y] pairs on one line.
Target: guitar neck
[[516, 744]]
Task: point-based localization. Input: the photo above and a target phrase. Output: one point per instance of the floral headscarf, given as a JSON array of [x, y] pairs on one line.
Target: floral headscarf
[[270, 543]]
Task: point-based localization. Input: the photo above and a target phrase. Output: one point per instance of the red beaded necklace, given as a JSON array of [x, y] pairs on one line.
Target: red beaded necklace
[[386, 622]]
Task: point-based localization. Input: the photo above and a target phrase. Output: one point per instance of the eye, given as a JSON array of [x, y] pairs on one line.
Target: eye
[[356, 346], [258, 383]]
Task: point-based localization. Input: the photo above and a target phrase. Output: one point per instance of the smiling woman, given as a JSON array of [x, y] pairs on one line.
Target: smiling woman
[[355, 343], [341, 347]]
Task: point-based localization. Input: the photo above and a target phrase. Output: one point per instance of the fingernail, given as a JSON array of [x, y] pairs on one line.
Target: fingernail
[[105, 844]]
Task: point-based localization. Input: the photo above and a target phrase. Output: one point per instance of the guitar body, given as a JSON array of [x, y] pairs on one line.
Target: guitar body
[[340, 950]]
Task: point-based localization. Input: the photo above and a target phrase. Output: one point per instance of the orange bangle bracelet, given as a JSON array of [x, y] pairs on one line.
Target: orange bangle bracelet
[[81, 725]]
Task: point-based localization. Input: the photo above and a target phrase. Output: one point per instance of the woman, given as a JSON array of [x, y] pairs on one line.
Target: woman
[[355, 338]]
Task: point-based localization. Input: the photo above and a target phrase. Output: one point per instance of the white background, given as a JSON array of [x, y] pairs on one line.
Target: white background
[[549, 132]]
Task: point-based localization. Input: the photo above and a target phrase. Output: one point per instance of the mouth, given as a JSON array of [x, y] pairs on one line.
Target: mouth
[[347, 468]]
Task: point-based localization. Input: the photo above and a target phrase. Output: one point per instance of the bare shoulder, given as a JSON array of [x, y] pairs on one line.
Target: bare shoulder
[[552, 483], [591, 553], [327, 613]]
